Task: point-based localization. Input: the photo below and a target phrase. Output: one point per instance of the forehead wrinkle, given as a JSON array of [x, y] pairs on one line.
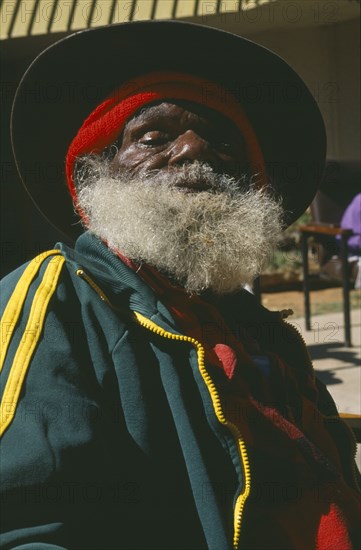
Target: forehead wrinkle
[[142, 115], [200, 113]]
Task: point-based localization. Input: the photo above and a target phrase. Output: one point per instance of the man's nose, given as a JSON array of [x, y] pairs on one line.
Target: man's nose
[[189, 147]]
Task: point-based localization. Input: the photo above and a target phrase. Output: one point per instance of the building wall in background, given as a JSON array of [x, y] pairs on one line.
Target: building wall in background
[[347, 69], [327, 58]]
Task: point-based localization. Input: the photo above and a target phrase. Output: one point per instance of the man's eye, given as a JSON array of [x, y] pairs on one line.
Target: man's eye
[[224, 146], [153, 139], [221, 144]]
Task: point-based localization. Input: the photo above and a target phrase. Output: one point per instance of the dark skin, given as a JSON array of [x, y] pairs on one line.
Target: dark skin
[[169, 134]]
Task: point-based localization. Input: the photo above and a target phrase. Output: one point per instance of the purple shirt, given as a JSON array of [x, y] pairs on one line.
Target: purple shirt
[[351, 219]]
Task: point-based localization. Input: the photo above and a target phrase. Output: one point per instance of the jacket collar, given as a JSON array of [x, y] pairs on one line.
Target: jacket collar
[[126, 290]]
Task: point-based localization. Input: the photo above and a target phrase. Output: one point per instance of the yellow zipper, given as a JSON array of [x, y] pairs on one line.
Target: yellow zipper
[[81, 273], [241, 500], [148, 324]]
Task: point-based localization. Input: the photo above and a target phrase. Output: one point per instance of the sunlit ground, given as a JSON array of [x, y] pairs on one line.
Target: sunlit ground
[[328, 300]]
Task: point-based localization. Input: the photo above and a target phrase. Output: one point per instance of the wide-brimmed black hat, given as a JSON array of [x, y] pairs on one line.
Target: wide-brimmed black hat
[[70, 78]]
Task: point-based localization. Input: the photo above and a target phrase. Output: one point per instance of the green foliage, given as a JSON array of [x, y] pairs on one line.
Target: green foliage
[[302, 220], [286, 261], [288, 258]]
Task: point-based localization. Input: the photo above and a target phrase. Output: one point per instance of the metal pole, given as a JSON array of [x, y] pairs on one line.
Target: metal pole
[[345, 289], [306, 288]]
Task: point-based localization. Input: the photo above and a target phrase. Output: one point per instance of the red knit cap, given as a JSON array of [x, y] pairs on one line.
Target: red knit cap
[[105, 123]]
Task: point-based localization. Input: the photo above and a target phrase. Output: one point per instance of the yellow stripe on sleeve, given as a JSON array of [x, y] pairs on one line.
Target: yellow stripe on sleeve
[[28, 342], [15, 304]]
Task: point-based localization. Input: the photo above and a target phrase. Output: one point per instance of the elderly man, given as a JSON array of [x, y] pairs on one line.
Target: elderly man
[[149, 401]]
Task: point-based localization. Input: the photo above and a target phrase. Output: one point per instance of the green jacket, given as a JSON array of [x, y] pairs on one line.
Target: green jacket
[[113, 433]]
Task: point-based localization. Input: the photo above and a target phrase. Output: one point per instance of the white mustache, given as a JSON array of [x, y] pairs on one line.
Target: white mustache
[[198, 176]]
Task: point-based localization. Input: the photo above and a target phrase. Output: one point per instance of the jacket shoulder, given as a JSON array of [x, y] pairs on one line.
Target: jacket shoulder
[[41, 273]]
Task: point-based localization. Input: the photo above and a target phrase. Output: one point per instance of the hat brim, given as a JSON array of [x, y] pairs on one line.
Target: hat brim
[[70, 78]]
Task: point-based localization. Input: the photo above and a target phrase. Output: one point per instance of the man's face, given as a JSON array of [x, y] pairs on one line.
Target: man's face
[[176, 196], [169, 135]]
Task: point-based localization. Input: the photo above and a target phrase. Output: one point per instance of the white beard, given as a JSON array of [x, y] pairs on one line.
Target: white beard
[[218, 239]]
